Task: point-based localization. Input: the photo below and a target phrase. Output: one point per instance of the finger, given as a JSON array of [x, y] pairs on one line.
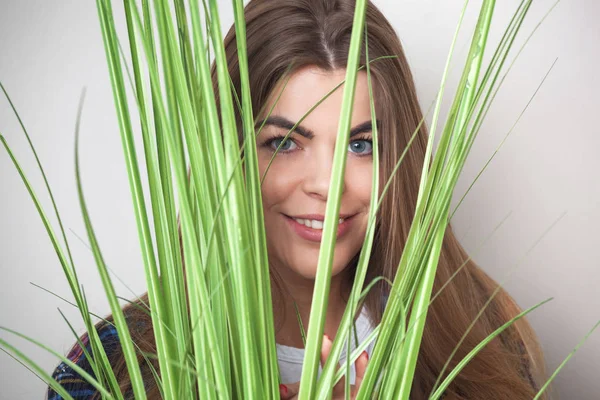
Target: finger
[[325, 351], [361, 367], [289, 390]]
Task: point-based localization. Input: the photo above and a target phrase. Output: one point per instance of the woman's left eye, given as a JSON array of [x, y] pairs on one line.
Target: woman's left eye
[[361, 146]]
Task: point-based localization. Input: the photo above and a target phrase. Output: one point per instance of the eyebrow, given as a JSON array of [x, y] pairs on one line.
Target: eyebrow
[[285, 123]]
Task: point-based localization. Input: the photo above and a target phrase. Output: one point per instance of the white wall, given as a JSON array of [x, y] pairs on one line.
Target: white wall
[[50, 50]]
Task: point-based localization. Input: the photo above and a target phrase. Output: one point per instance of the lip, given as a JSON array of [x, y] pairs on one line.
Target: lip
[[315, 235]]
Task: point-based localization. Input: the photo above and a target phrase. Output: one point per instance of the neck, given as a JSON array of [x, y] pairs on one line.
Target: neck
[[301, 292]]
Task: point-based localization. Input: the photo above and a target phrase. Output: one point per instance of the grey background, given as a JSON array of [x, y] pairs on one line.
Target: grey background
[[548, 166]]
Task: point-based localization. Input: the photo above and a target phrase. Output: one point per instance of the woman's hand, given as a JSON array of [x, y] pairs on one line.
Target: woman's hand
[[290, 391]]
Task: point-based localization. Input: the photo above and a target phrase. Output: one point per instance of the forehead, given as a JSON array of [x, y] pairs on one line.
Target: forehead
[[308, 86]]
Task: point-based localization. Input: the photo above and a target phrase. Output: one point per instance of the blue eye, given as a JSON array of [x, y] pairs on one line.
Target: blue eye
[[361, 147], [286, 146]]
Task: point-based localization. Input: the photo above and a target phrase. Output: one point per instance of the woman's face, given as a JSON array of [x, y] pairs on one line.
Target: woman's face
[[296, 186]]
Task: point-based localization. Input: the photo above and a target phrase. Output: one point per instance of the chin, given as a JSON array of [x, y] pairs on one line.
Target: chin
[[307, 266]]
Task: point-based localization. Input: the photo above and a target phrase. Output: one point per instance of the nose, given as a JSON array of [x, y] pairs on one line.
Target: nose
[[318, 174]]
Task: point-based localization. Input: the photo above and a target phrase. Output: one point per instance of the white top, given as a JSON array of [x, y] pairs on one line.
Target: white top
[[290, 358]]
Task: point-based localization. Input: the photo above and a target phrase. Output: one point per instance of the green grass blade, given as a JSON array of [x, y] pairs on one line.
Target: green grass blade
[[438, 101], [413, 340], [41, 168], [122, 329], [326, 381], [69, 272], [321, 290], [195, 280], [265, 326]]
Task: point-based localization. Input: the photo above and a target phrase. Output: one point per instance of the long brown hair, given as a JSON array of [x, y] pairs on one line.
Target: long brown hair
[[317, 33]]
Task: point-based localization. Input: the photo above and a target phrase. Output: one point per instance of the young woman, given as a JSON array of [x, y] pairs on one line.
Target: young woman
[[314, 35]]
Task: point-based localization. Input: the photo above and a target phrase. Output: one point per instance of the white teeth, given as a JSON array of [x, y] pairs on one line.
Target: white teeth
[[317, 224], [313, 223]]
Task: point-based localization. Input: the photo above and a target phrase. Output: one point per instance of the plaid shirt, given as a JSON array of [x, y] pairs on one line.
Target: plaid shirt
[[74, 384]]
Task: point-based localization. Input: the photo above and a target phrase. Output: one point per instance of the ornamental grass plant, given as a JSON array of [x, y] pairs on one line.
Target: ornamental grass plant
[[202, 232]]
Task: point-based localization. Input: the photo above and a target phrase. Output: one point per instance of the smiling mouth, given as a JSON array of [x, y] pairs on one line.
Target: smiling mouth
[[314, 223], [311, 226]]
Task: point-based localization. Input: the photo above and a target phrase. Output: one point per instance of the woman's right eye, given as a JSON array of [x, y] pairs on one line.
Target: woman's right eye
[[286, 145]]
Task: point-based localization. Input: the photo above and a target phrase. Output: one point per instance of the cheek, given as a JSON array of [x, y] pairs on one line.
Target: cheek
[[280, 181], [359, 176]]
